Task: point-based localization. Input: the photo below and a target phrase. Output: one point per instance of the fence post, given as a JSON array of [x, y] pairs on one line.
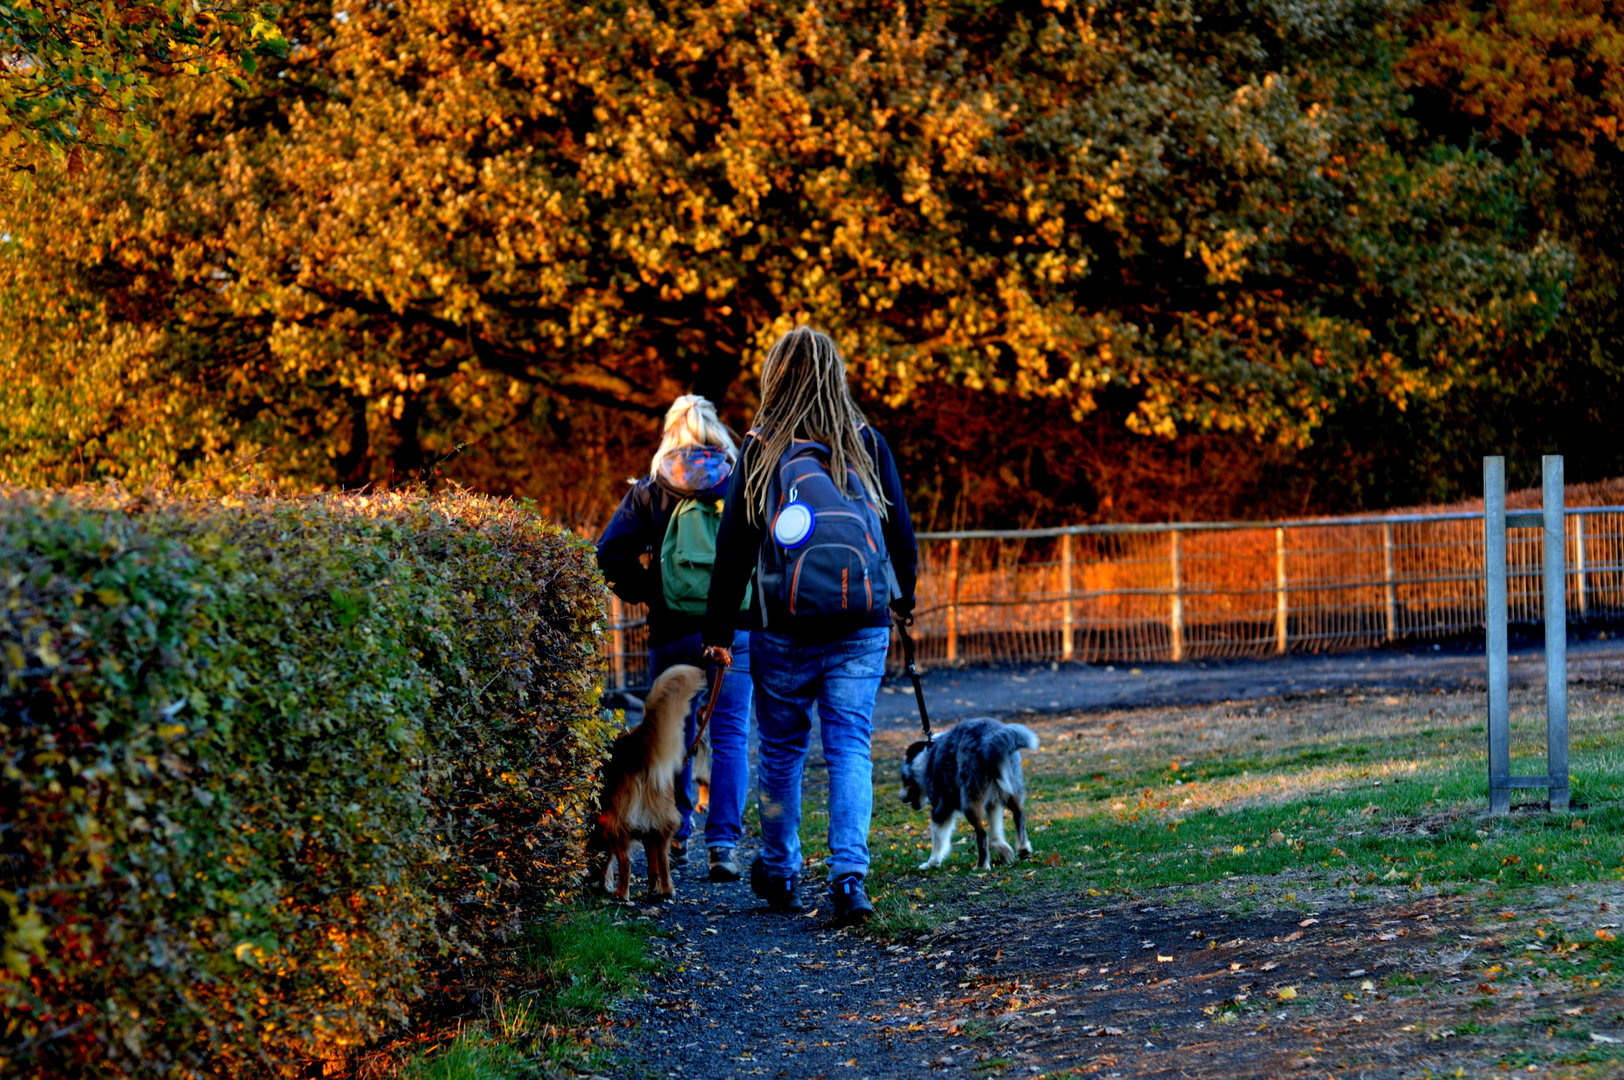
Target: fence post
[[617, 641], [1579, 562], [1280, 640], [1556, 633], [1495, 633], [1387, 576], [953, 601], [1176, 614], [1066, 643]]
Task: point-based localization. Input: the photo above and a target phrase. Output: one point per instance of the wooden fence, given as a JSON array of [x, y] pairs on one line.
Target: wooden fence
[[1174, 592]]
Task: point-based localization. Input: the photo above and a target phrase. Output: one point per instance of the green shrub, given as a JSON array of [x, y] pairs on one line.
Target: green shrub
[[280, 766]]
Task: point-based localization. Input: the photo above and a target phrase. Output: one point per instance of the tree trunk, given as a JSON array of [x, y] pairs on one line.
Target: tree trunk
[[406, 464], [354, 467]]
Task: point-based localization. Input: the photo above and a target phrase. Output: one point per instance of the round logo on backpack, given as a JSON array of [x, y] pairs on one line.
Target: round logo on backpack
[[794, 525]]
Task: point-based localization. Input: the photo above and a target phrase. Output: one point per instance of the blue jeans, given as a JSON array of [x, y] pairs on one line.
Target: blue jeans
[[843, 677], [729, 733]]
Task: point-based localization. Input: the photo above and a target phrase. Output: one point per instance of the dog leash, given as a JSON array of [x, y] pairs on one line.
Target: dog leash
[[710, 707], [913, 673]]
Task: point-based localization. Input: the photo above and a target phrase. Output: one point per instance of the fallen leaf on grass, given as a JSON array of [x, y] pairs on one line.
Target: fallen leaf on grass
[[1270, 966], [1596, 1036], [1308, 922], [1606, 935], [1286, 993], [1355, 973], [1097, 1032], [1575, 1011], [1293, 936], [1386, 937], [1052, 860], [1160, 959]]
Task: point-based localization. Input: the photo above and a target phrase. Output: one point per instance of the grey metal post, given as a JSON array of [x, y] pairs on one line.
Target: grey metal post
[[1280, 626], [1387, 575], [1556, 633], [1495, 632]]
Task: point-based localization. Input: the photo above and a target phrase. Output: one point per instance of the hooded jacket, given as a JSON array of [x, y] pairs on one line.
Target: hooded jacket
[[639, 525]]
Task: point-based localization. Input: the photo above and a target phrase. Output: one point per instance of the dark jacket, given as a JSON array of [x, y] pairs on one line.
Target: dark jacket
[[738, 545], [639, 526]]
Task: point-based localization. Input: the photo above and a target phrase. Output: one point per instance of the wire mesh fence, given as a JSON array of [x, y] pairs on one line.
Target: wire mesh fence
[[1172, 592]]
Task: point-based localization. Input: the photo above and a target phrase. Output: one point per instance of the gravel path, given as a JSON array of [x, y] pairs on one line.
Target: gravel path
[[1038, 984], [750, 993]]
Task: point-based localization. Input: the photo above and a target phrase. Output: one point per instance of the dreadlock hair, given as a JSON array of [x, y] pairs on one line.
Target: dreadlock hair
[[804, 396]]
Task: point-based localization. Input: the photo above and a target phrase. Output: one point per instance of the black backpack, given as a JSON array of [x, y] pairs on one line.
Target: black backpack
[[824, 554]]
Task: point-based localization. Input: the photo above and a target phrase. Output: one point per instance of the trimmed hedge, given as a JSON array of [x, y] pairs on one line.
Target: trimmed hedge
[[279, 768]]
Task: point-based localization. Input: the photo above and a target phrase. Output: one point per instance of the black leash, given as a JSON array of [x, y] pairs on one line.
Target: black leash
[[913, 673]]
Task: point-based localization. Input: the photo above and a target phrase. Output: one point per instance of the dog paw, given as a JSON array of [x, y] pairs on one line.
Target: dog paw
[[927, 866], [1025, 852]]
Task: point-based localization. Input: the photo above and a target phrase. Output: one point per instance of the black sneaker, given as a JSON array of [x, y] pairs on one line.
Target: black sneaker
[[851, 903], [780, 893], [723, 867]]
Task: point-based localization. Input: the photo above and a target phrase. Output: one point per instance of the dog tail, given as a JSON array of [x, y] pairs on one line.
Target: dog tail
[[1020, 738], [666, 710]]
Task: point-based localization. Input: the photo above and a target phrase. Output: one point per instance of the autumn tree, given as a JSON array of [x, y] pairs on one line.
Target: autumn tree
[[523, 226], [80, 75], [1539, 83]]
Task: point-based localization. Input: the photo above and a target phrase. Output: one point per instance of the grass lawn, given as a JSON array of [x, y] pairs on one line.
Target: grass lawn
[[1305, 798]]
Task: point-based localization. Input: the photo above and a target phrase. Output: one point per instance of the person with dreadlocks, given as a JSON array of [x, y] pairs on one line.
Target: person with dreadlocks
[[816, 510]]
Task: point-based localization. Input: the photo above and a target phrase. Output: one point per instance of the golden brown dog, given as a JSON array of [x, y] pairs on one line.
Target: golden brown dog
[[638, 802]]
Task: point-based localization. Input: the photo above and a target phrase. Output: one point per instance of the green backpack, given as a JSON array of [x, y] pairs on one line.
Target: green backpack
[[688, 555]]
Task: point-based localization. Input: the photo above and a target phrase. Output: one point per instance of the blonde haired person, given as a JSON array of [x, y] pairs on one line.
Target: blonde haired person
[[815, 508], [688, 473]]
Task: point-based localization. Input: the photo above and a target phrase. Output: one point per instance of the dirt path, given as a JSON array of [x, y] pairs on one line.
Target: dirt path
[[749, 993], [1043, 986]]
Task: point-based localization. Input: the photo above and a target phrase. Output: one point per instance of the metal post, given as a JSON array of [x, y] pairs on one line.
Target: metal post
[[1176, 613], [1066, 642], [617, 642], [1387, 576], [1280, 641], [1495, 632], [953, 601], [1556, 634], [1579, 563]]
